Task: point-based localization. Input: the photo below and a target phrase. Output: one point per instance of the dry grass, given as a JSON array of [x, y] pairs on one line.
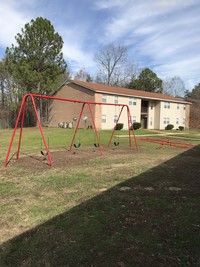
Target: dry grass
[[75, 213]]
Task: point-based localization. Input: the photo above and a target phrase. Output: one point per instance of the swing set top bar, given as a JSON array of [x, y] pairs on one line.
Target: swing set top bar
[[74, 101], [21, 115]]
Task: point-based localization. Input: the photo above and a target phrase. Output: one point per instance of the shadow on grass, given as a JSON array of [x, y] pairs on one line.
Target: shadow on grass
[[149, 220]]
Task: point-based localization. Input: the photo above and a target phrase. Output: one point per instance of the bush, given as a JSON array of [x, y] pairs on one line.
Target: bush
[[136, 125], [119, 126], [169, 127], [181, 128]]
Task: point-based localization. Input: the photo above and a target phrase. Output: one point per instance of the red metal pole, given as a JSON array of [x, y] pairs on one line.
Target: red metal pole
[[129, 125], [61, 99], [96, 132], [42, 133], [135, 140], [14, 131], [79, 119], [115, 126], [21, 129]]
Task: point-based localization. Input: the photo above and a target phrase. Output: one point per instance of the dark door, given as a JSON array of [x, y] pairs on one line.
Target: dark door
[[144, 122]]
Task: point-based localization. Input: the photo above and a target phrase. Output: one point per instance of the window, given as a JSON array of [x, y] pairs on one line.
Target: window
[[177, 120], [177, 107], [132, 101], [103, 118], [184, 107], [183, 121], [116, 99], [166, 120], [166, 104], [115, 118], [104, 98], [134, 119]]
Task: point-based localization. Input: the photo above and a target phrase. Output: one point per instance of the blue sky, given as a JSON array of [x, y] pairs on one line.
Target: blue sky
[[163, 35]]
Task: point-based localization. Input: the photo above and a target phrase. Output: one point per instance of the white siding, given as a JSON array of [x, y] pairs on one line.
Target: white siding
[[160, 113], [112, 111], [173, 113]]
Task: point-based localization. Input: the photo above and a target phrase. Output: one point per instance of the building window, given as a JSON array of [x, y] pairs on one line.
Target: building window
[[184, 107], [183, 121], [177, 107], [132, 101], [134, 119], [104, 98], [166, 104], [177, 120], [115, 118], [166, 121], [116, 99], [103, 118]]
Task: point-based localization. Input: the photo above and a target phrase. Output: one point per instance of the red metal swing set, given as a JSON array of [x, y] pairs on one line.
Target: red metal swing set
[[21, 115]]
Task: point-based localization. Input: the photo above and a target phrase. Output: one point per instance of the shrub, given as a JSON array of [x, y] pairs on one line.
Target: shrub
[[181, 128], [119, 126], [169, 127], [136, 125]]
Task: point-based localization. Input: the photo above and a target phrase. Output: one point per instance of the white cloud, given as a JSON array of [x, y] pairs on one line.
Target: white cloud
[[162, 34], [133, 15], [11, 22], [13, 16], [77, 57], [73, 48], [108, 4]]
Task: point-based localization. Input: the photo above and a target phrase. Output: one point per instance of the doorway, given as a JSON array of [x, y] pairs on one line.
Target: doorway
[[144, 119]]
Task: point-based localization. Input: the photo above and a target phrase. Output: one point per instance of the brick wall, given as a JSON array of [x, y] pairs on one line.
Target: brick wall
[[62, 111]]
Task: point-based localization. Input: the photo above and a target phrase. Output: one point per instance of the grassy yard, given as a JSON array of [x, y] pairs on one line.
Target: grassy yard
[[124, 208]]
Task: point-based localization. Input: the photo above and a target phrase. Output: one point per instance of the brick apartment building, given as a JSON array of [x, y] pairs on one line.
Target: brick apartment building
[[153, 110]]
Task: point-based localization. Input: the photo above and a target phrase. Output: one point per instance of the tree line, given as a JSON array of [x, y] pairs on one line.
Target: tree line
[[36, 65]]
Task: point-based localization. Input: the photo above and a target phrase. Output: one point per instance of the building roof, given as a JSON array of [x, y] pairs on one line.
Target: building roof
[[115, 90]]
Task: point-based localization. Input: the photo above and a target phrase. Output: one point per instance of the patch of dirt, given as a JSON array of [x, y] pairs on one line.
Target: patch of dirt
[[66, 158]]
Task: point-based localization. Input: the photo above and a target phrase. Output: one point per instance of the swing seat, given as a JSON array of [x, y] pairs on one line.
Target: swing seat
[[43, 154], [116, 143], [96, 145], [78, 145]]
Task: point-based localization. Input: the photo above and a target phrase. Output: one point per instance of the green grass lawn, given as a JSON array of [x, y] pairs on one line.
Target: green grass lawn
[[124, 208], [59, 138]]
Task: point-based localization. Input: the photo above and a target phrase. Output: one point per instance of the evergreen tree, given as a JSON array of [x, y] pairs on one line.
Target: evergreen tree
[[195, 92], [147, 81], [36, 62]]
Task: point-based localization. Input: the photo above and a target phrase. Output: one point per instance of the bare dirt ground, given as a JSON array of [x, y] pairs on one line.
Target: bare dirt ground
[[65, 158]]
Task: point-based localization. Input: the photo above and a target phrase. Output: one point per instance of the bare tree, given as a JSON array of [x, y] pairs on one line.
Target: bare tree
[[174, 86], [83, 75], [114, 67]]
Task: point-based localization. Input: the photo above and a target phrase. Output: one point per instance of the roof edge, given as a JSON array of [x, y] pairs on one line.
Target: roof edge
[[175, 100]]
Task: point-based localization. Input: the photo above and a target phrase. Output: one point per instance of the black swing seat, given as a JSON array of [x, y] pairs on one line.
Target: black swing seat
[[116, 143], [96, 145], [78, 145], [44, 154]]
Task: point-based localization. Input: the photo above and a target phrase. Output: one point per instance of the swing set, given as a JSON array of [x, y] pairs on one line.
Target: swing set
[[32, 97]]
